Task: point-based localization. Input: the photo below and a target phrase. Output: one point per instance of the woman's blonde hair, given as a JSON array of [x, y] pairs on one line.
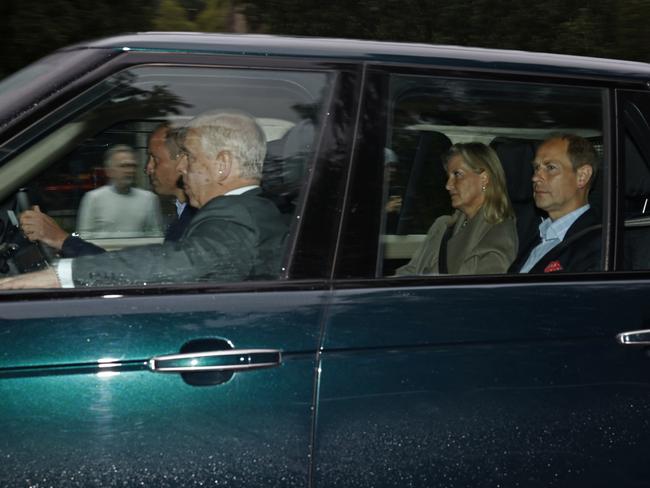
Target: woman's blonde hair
[[479, 158]]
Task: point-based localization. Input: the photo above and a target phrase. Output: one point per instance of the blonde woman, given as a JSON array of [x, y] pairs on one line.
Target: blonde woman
[[480, 237]]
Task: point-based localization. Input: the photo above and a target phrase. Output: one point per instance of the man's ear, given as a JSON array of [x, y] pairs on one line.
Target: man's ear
[[584, 174], [224, 164]]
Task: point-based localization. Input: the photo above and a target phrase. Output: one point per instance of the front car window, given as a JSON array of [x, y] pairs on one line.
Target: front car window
[[61, 163]]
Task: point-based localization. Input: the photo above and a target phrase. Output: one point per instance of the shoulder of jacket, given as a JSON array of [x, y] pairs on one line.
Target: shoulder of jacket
[[505, 230], [443, 220]]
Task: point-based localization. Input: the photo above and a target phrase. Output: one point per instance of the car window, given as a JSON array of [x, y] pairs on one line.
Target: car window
[[62, 163], [429, 115], [422, 118]]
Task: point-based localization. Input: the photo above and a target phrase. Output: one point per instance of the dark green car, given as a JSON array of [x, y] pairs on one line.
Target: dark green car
[[338, 372]]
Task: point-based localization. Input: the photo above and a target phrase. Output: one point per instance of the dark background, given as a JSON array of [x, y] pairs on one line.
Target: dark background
[[607, 28]]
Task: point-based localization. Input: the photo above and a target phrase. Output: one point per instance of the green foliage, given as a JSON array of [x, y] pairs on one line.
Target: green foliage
[[33, 28], [172, 16], [214, 16], [204, 16], [192, 7], [631, 27], [611, 28]]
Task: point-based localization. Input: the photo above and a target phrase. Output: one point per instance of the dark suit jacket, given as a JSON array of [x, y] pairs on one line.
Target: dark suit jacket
[[579, 251], [175, 230], [75, 246], [231, 238]]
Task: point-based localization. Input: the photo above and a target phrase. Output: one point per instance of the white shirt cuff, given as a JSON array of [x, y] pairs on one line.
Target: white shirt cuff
[[63, 270]]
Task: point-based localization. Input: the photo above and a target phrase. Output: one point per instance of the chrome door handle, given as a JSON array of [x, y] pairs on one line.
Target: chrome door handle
[[225, 360], [634, 337]]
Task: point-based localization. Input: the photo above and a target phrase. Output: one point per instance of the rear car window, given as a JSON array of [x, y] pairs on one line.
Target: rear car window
[[429, 115]]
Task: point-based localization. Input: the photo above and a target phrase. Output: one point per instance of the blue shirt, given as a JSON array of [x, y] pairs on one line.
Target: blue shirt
[[180, 206], [552, 233]]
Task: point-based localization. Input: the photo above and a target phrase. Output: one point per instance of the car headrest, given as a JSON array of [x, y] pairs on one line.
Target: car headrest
[[637, 174], [425, 196], [285, 164], [516, 157]]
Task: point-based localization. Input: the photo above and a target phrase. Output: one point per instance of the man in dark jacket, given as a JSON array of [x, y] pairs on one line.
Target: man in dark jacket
[[236, 234], [161, 165], [570, 238]]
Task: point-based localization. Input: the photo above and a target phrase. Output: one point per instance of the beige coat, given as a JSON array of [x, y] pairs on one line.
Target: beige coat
[[476, 247]]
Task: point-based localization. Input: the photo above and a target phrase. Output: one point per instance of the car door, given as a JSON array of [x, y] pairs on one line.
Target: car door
[[181, 384], [499, 380], [84, 402]]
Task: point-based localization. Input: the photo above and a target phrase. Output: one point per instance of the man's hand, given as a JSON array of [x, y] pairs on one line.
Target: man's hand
[[38, 226], [394, 204], [40, 279]]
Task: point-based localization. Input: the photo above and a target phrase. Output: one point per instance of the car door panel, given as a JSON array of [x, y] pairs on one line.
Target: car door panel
[[484, 385], [81, 406]]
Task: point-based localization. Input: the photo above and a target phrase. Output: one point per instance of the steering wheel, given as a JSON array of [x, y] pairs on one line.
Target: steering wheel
[[17, 253]]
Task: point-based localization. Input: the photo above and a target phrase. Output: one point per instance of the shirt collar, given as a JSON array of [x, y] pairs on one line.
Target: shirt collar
[[557, 229], [243, 189], [180, 206]]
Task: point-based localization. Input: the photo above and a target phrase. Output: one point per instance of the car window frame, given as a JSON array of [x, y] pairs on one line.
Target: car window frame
[[621, 96], [312, 243], [352, 269]]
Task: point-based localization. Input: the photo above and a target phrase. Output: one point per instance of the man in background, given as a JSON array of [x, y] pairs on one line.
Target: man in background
[[119, 209]]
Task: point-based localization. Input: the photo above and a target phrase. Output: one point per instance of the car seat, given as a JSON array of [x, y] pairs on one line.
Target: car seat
[[516, 156], [425, 197]]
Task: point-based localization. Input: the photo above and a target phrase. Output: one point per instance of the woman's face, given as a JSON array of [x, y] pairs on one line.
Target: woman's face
[[465, 186]]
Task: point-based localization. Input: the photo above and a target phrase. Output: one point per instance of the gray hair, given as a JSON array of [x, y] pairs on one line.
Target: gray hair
[[113, 150], [239, 133]]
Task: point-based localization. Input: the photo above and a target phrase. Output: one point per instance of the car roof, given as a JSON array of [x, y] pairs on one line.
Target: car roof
[[376, 51]]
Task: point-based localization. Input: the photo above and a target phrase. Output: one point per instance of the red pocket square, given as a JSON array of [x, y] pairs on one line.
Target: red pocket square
[[553, 266]]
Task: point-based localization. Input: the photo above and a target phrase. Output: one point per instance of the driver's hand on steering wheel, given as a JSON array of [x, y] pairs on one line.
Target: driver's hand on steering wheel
[[38, 226]]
